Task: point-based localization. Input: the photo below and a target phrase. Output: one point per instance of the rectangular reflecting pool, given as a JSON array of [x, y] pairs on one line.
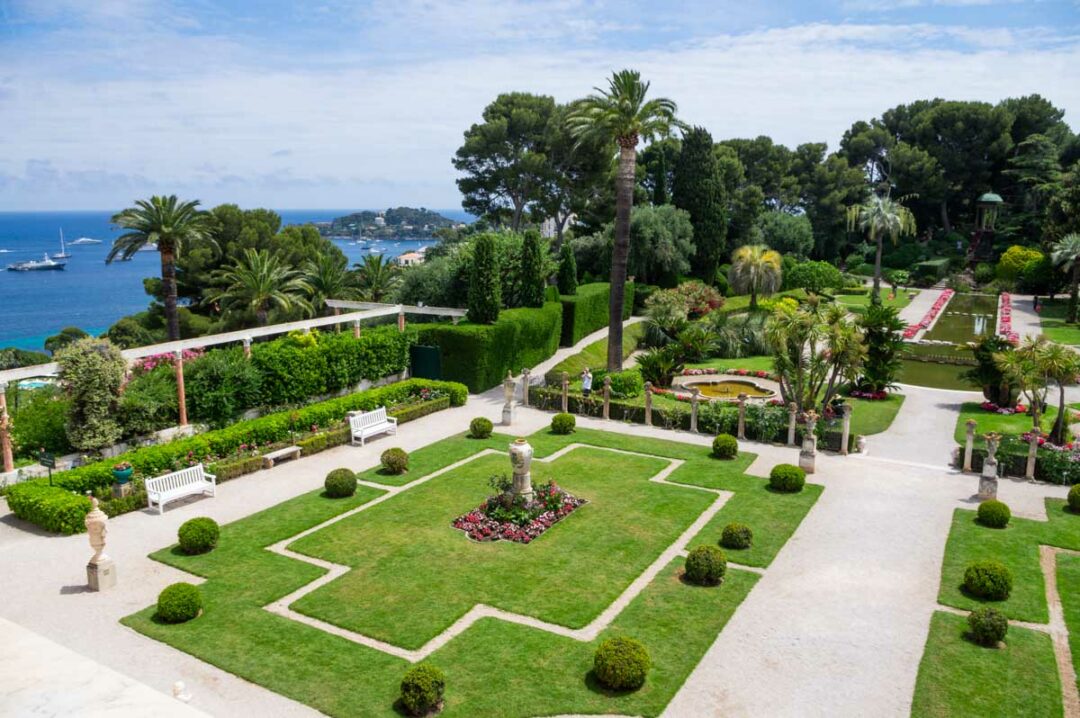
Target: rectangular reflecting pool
[[966, 318], [932, 374]]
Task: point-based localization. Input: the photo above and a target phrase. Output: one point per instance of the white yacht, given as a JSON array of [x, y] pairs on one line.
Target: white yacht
[[36, 265], [63, 253]]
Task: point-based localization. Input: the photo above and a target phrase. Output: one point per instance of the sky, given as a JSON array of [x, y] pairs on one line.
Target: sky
[[362, 103]]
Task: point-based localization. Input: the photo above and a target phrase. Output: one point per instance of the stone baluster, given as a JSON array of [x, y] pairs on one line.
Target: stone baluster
[[808, 453], [565, 392], [695, 399], [525, 386], [247, 347], [101, 570], [648, 403], [1033, 452], [969, 444], [845, 434], [401, 320], [793, 411], [988, 480], [607, 396], [742, 417], [181, 397], [5, 432], [356, 329]]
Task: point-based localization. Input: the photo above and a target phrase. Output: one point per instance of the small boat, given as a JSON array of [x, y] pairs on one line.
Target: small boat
[[35, 265], [85, 240], [63, 253]]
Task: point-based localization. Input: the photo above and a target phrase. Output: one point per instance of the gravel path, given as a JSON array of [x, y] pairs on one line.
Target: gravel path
[[922, 432]]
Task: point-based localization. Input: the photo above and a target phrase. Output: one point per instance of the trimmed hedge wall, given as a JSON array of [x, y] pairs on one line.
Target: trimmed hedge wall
[[479, 355], [587, 311]]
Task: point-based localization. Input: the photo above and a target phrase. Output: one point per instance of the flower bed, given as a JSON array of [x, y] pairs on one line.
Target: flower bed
[[1005, 319], [503, 517], [930, 316], [1005, 410], [871, 395]]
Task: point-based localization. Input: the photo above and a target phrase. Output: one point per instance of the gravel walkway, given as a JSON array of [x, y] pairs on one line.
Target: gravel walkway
[[922, 432]]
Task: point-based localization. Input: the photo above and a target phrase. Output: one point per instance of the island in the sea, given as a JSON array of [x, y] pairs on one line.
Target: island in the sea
[[393, 223]]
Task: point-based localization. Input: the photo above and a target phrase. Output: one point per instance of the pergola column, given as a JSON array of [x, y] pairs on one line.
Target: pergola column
[[181, 397], [5, 435], [401, 321], [356, 329]]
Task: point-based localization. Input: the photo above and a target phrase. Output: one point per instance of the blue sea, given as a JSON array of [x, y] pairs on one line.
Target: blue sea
[[89, 293]]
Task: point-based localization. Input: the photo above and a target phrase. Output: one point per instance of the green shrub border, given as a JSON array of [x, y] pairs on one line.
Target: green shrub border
[[587, 311]]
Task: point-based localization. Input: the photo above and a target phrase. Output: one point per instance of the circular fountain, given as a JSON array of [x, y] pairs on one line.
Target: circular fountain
[[717, 387]]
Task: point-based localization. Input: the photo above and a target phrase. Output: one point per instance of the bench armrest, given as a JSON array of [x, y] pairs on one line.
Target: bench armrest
[[392, 420], [212, 477]]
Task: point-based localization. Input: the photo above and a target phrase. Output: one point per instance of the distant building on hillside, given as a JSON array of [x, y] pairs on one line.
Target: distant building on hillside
[[380, 220], [549, 229], [410, 258]]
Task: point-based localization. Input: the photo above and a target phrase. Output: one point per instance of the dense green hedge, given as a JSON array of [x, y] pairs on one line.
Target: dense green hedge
[[587, 311], [49, 507], [1055, 467], [479, 355]]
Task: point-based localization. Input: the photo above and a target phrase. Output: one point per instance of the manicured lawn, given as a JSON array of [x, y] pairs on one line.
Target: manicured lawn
[[594, 355], [1011, 424], [754, 363], [858, 303], [413, 574], [1068, 575], [1052, 315], [959, 678], [873, 417]]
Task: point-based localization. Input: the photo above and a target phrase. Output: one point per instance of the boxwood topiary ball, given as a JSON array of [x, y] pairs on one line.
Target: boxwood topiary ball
[[988, 626], [340, 483], [563, 424], [787, 478], [706, 565], [395, 461], [178, 603], [422, 689], [736, 536], [724, 446], [991, 580], [1074, 499], [480, 428], [994, 513], [198, 535], [621, 664]]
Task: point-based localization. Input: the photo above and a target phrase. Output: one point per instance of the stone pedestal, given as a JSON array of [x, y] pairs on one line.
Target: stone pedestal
[[101, 571], [969, 444], [119, 491], [808, 452], [648, 403], [1033, 452], [607, 397], [988, 482], [521, 454], [792, 412], [565, 392], [845, 434], [741, 433], [508, 399], [695, 398], [508, 415], [525, 386], [101, 575]]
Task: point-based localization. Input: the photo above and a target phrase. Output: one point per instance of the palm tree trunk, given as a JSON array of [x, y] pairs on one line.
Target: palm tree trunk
[[875, 294], [262, 316], [1057, 434], [624, 202], [945, 223], [753, 297], [168, 283], [1073, 291]]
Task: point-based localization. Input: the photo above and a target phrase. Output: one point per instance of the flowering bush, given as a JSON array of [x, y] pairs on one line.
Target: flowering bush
[[122, 466], [931, 314], [506, 517], [995, 409], [871, 395], [155, 360]]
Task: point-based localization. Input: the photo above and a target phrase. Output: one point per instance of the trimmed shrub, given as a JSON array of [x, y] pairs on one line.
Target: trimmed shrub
[[587, 311], [994, 514], [621, 664], [394, 461], [485, 287], [625, 384], [50, 507], [178, 603], [736, 536], [787, 478], [198, 535], [724, 446], [567, 270], [706, 565], [991, 580], [563, 424], [340, 483], [1074, 499], [480, 428], [422, 689], [988, 626], [531, 279]]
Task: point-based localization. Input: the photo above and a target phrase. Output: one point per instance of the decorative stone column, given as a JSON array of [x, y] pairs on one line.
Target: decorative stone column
[[101, 571], [521, 454], [695, 397], [808, 452], [742, 417], [565, 392], [401, 321], [525, 386], [648, 403], [607, 396], [969, 444], [5, 433], [1033, 452], [181, 397], [845, 434], [988, 480], [508, 399], [793, 411], [356, 329], [247, 347]]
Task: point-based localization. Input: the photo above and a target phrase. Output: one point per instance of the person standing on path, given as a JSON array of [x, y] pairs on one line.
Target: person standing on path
[[586, 382]]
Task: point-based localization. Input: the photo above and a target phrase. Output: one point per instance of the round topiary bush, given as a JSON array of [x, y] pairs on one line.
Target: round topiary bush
[[480, 428], [724, 446], [422, 689], [563, 424], [395, 461], [988, 626], [621, 664], [706, 565], [178, 603], [787, 478], [736, 536], [340, 483], [991, 580], [1074, 499], [994, 513], [198, 535]]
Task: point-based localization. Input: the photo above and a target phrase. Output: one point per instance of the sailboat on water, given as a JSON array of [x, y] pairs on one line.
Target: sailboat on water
[[63, 253]]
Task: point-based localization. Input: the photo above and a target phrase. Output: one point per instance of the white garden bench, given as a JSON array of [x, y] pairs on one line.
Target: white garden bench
[[186, 482], [289, 452], [371, 423]]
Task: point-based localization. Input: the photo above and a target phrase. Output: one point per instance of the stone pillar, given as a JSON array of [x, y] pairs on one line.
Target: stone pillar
[[525, 386], [521, 454], [247, 347], [607, 396], [988, 480], [5, 433], [695, 397], [100, 571], [181, 397], [565, 392], [969, 444], [742, 417], [508, 399], [1033, 452], [356, 329], [648, 403], [401, 321], [845, 434], [792, 415], [808, 453]]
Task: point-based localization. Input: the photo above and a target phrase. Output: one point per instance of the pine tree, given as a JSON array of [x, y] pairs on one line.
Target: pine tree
[[660, 193], [698, 189], [484, 286], [567, 270], [531, 279]]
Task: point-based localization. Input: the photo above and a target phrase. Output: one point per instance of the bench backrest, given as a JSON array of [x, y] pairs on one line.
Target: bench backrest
[[177, 479], [368, 418]]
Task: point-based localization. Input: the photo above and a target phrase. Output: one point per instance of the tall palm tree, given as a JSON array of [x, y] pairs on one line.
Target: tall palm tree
[[1066, 254], [378, 277], [1061, 365], [1023, 368], [171, 226], [259, 282], [881, 217], [328, 277], [755, 269], [621, 115]]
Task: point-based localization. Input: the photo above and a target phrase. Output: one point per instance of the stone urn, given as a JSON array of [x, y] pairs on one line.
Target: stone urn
[[521, 454]]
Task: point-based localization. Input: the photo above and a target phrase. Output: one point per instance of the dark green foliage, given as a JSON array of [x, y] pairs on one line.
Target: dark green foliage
[[13, 358], [422, 689], [988, 626], [587, 311], [40, 423], [990, 579], [787, 478], [178, 603], [660, 365], [480, 428], [567, 270], [625, 384], [816, 277], [698, 188], [198, 535], [789, 234], [394, 461], [563, 424], [994, 514], [485, 296], [531, 279], [93, 370], [661, 244], [50, 507], [66, 336], [883, 338], [984, 273], [149, 402], [621, 664], [725, 446], [706, 565], [221, 385], [1074, 499], [128, 333], [736, 536], [987, 376], [340, 483]]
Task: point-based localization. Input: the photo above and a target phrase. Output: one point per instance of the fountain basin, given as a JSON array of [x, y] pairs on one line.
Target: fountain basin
[[718, 388]]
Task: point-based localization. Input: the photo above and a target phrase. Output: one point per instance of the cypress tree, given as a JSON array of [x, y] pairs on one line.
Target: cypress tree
[[697, 189], [567, 270], [660, 193], [484, 286], [531, 279]]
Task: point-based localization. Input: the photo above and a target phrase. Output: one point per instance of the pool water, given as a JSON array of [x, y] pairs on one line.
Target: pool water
[[966, 318], [932, 374], [730, 389]]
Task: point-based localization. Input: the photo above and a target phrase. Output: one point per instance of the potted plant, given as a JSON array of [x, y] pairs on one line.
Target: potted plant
[[122, 472]]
